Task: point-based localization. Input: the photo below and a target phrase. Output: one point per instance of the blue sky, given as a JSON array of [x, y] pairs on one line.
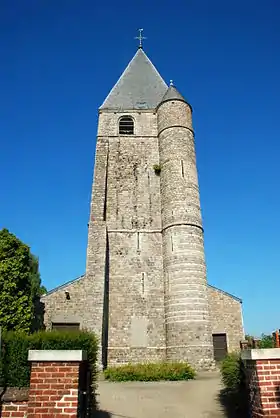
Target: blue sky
[[59, 59]]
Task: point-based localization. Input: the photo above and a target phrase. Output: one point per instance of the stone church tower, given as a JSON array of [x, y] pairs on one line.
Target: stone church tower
[[145, 255], [145, 293]]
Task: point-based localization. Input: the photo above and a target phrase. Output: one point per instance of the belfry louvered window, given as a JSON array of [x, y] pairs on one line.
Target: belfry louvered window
[[126, 125]]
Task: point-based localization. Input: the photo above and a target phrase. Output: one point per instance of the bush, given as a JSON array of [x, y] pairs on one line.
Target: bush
[[232, 372], [233, 377], [150, 372], [14, 365], [157, 169]]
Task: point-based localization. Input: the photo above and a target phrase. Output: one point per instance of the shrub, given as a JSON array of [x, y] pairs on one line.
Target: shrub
[[157, 169], [233, 377], [14, 365], [232, 372], [150, 372]]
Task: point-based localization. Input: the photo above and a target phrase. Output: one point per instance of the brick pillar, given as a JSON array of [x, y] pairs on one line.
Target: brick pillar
[[263, 381], [55, 382]]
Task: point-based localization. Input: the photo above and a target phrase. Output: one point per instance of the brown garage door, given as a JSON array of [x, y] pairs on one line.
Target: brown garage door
[[220, 346]]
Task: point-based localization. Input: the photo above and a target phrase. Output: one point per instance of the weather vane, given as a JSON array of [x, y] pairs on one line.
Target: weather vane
[[140, 37]]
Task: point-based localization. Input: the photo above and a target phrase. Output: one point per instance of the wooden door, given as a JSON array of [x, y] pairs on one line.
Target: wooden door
[[220, 346]]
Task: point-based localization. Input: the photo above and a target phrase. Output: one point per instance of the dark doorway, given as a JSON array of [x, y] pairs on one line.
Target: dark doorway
[[220, 346]]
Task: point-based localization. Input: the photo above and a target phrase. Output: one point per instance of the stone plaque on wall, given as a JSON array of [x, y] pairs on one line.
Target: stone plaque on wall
[[139, 327]]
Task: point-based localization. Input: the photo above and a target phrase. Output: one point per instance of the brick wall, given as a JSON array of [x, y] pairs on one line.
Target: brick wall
[[263, 381], [57, 381], [13, 402], [53, 389], [13, 409]]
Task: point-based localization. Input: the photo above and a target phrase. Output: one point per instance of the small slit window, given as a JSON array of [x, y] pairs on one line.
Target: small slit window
[[126, 125]]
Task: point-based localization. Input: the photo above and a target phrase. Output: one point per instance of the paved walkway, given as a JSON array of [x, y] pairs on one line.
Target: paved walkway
[[191, 399]]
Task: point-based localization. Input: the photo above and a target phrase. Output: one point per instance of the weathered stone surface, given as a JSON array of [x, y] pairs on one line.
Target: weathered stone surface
[[226, 316], [145, 291], [188, 328], [58, 309], [11, 394]]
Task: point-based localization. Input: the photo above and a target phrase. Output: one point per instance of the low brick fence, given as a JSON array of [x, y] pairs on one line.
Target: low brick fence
[[14, 402], [57, 387], [262, 368]]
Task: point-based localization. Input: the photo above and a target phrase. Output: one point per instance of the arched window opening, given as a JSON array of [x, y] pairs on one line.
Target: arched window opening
[[126, 125]]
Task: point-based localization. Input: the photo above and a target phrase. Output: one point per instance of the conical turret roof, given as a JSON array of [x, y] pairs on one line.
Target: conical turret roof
[[172, 94], [139, 87]]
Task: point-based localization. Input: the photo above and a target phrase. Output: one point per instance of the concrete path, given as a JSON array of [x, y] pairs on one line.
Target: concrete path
[[191, 399]]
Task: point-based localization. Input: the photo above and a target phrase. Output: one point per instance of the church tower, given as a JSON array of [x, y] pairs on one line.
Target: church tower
[[145, 255]]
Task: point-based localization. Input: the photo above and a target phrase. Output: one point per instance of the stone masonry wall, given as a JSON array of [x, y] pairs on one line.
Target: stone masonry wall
[[226, 317], [126, 285], [145, 123], [97, 248], [189, 336], [128, 191], [77, 309], [225, 312]]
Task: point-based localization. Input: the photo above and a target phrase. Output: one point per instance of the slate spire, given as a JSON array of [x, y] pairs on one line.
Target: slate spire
[[139, 87], [172, 94]]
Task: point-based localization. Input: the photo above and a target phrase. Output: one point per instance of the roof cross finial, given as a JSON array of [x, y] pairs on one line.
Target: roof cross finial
[[140, 37]]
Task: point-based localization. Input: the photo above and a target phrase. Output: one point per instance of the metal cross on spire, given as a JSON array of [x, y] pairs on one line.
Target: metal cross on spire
[[140, 37]]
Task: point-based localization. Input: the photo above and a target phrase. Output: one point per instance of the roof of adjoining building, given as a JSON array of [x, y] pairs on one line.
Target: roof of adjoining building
[[83, 276], [55, 289], [224, 292], [139, 87]]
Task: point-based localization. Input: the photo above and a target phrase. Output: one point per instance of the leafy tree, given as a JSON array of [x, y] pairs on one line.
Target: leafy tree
[[266, 341], [20, 285], [37, 290]]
